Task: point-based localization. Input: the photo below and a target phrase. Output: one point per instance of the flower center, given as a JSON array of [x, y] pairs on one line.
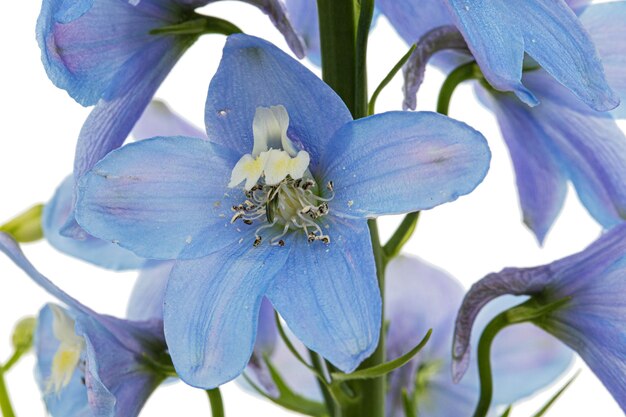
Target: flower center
[[281, 194]]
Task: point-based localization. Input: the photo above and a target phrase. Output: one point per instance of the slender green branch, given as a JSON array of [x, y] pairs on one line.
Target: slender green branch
[[372, 105], [556, 396], [5, 400], [401, 236], [13, 360], [318, 364], [215, 399], [290, 345], [455, 78]]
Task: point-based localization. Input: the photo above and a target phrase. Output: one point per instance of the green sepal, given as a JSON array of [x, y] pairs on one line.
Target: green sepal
[[199, 25], [556, 396], [287, 398], [384, 368], [26, 227]]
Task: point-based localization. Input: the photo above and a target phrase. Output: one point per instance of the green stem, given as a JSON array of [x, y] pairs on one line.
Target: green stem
[[401, 236], [455, 78], [372, 106], [318, 364], [338, 42], [13, 360], [362, 36], [5, 401], [217, 405], [199, 25]]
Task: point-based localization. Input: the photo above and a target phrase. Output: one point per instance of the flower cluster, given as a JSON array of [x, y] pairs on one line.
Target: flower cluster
[[256, 241]]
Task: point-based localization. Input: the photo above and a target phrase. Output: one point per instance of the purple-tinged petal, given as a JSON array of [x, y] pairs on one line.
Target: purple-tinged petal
[[499, 32], [414, 18], [329, 296], [315, 111], [399, 162], [577, 5], [212, 308], [146, 299], [90, 249], [588, 147], [590, 322], [162, 198], [85, 45], [541, 182], [303, 17], [605, 23], [159, 120]]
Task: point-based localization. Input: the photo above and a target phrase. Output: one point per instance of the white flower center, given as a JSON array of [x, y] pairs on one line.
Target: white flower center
[[67, 356], [279, 188]]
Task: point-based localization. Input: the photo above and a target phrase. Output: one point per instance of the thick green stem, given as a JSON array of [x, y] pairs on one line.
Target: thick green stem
[[338, 42], [217, 405], [5, 401]]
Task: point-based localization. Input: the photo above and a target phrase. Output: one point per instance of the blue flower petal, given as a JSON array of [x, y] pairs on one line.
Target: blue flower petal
[[414, 18], [329, 296], [86, 44], [605, 23], [174, 207], [159, 120], [146, 299], [541, 181], [90, 249], [589, 147], [498, 34], [303, 17], [212, 308], [315, 110], [399, 162]]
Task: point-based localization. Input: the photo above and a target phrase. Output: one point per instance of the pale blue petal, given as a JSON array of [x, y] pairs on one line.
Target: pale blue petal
[[400, 162], [329, 296], [72, 400], [212, 308], [162, 198], [499, 32], [90, 249], [146, 299], [159, 120], [413, 18], [605, 23], [541, 180], [418, 297], [303, 17], [590, 146], [315, 110]]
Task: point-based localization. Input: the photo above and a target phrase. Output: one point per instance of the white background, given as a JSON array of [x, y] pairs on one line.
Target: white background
[[477, 234]]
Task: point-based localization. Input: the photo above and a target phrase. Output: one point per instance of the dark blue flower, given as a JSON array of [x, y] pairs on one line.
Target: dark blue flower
[[296, 232]]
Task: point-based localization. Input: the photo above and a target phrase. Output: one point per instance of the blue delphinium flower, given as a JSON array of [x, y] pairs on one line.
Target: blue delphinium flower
[[562, 139], [420, 297], [156, 120], [90, 364], [498, 33], [592, 285], [296, 231], [103, 54]]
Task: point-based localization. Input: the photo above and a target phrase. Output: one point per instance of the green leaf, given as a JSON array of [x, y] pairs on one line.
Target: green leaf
[[556, 396], [384, 368], [507, 411], [287, 398]]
